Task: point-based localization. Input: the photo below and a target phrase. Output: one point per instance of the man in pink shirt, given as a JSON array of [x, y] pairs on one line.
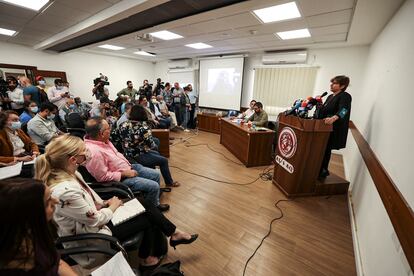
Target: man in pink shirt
[[108, 164]]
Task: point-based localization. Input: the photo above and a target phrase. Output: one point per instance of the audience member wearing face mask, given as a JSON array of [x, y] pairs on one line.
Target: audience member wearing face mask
[[15, 93], [30, 110], [15, 145], [42, 127]]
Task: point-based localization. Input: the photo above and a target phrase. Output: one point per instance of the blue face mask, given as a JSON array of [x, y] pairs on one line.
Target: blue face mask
[[51, 116], [59, 87], [16, 125], [72, 106], [42, 82], [34, 109]]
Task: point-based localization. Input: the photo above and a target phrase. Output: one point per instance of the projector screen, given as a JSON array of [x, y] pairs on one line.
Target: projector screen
[[221, 83]]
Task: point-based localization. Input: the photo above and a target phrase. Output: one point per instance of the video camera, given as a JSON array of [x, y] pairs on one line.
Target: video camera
[[101, 79]]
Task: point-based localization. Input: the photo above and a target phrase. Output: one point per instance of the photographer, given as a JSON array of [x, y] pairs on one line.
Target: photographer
[[146, 90], [99, 89], [159, 87], [57, 94]]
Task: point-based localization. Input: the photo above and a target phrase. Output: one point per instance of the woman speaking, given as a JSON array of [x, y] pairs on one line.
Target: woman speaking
[[336, 111]]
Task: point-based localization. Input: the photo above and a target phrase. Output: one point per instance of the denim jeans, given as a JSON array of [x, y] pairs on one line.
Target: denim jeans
[[186, 116], [152, 159], [147, 181]]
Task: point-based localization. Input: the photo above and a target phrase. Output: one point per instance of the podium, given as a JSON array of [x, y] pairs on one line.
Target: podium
[[300, 148]]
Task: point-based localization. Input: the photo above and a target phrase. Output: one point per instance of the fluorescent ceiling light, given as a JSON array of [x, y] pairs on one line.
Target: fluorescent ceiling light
[[143, 53], [199, 45], [278, 13], [166, 35], [111, 47], [7, 32], [28, 4], [294, 34]]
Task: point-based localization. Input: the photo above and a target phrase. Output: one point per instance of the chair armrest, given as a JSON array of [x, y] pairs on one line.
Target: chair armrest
[[109, 192], [87, 249], [115, 184]]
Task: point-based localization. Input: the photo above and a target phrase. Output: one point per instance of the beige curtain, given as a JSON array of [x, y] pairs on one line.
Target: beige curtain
[[278, 88]]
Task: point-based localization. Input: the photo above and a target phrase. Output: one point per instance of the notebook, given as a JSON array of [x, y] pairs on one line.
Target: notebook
[[127, 211]]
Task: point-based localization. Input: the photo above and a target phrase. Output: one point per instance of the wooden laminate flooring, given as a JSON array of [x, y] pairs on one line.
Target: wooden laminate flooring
[[312, 238]]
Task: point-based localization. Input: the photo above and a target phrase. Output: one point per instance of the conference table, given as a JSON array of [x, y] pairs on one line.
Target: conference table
[[252, 147]]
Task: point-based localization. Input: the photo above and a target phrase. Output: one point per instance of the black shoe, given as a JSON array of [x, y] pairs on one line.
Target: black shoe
[[163, 207], [324, 173], [174, 243]]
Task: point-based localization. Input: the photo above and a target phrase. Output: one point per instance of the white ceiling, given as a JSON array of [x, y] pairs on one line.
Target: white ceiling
[[232, 29]]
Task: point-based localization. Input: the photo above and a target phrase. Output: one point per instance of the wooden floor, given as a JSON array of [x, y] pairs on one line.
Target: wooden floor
[[313, 237]]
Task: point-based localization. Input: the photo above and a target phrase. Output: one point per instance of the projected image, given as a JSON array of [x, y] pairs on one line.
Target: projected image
[[222, 79]]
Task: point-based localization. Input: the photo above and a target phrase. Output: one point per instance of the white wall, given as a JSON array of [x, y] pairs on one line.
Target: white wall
[[81, 68], [348, 61], [382, 111]]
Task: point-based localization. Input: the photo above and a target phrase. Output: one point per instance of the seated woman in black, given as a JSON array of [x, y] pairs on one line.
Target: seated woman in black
[[137, 142], [336, 110], [27, 246]]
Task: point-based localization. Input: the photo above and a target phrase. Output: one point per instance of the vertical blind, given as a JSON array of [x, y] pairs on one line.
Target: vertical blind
[[279, 87]]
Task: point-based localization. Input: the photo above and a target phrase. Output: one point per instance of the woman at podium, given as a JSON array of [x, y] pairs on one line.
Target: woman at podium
[[336, 111]]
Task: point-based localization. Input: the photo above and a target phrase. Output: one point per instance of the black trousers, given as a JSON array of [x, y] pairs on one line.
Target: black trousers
[[154, 224], [326, 157], [191, 120]]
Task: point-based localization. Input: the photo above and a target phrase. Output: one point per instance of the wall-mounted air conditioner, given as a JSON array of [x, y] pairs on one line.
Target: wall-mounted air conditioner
[[293, 57], [179, 64]]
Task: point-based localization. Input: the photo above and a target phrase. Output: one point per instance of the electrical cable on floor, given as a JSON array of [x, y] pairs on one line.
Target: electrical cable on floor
[[188, 144], [183, 140], [268, 233]]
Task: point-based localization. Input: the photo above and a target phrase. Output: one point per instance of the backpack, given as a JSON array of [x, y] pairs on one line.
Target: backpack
[[168, 269]]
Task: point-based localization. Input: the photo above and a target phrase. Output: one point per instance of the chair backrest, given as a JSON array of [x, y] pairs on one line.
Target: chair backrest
[[86, 175]]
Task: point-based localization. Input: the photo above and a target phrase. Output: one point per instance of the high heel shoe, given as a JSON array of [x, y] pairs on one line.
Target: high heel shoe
[[174, 243]]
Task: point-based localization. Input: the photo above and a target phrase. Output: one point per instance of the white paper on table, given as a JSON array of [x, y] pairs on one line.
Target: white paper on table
[[117, 265], [30, 162], [10, 171]]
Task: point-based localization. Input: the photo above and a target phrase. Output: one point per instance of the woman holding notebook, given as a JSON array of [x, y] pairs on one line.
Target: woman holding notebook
[[81, 210]]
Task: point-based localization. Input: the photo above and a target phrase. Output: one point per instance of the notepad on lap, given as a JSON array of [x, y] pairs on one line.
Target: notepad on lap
[[127, 211]]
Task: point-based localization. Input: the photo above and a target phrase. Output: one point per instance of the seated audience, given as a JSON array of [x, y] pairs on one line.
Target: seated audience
[[82, 108], [165, 111], [30, 110], [249, 112], [27, 246], [125, 115], [81, 210], [42, 127], [163, 119], [67, 109], [108, 164], [58, 94], [138, 144], [259, 118], [15, 145], [30, 92], [152, 119], [15, 93]]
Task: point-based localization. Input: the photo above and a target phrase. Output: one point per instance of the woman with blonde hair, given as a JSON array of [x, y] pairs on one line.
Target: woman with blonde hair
[[81, 210]]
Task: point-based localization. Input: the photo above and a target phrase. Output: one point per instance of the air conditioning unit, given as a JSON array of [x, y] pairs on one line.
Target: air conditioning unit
[[285, 58], [179, 64]]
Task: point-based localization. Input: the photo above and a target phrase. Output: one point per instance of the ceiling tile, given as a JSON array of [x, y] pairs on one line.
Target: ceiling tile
[[331, 18], [330, 38], [313, 7], [92, 7], [340, 28]]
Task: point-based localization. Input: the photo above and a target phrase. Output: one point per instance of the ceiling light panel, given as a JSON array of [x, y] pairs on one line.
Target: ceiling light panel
[[28, 4], [278, 13], [111, 47], [7, 32], [199, 45], [166, 35], [302, 33], [143, 53]]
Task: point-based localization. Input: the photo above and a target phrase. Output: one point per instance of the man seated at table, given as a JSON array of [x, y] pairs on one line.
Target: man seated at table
[[259, 118], [249, 112]]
